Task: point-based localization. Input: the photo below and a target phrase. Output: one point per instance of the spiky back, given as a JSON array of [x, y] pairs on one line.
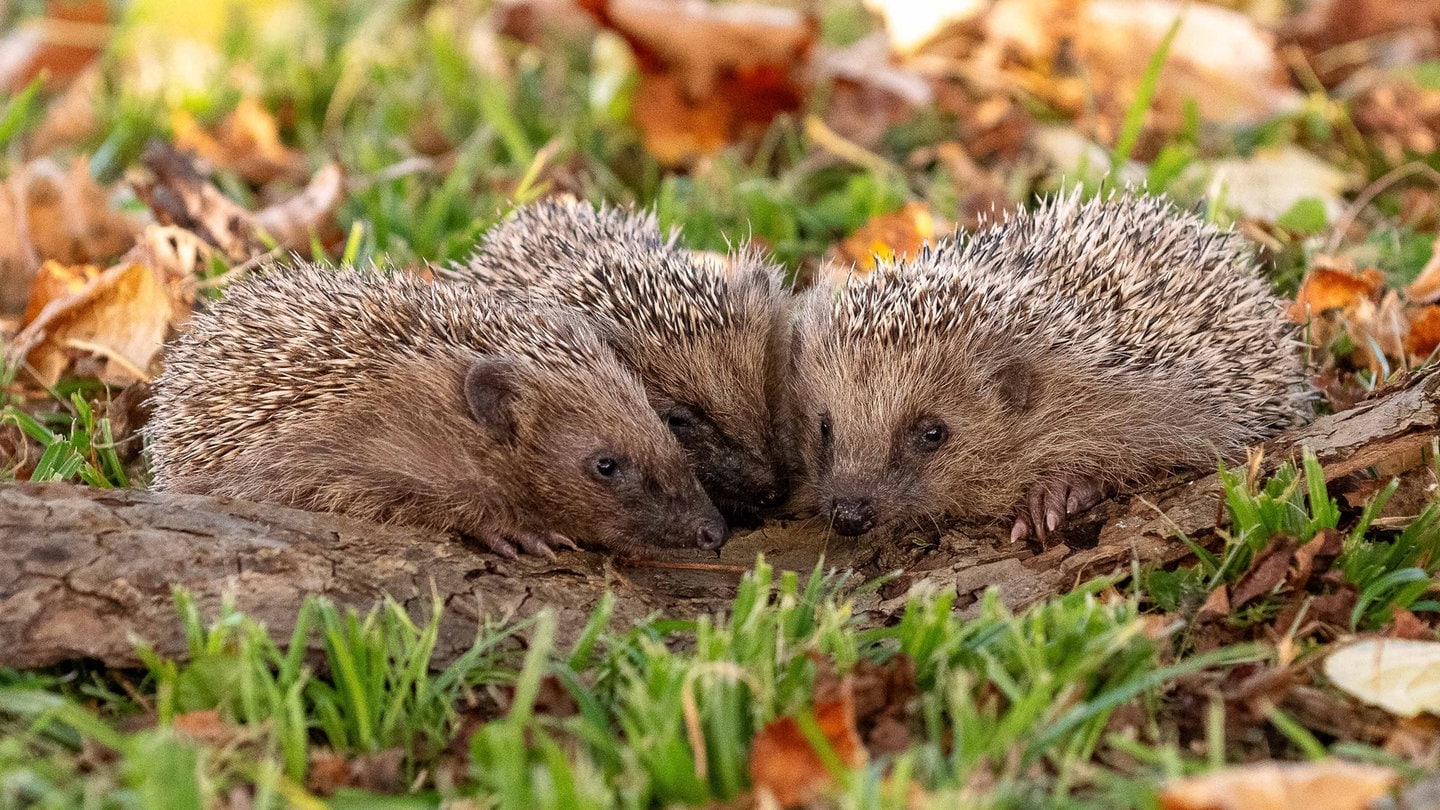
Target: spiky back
[[293, 342], [1121, 285], [616, 265], [700, 334], [1105, 340]]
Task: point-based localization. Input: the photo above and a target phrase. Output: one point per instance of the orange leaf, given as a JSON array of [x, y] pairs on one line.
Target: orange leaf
[[55, 281], [203, 725], [1424, 334], [120, 317], [783, 763], [1325, 288], [1326, 785], [676, 131], [247, 142], [894, 236]]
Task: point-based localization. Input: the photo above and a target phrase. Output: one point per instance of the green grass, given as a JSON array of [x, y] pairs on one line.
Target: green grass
[[1069, 703], [77, 446]]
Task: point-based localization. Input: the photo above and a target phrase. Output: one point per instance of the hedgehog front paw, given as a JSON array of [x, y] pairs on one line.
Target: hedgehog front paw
[[1050, 502], [541, 544]]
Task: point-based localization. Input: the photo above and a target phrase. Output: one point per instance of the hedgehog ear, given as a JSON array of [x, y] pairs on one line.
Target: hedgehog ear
[[490, 389], [1014, 383]]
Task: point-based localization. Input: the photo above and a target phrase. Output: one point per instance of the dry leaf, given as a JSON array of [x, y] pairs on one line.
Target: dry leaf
[[377, 772], [203, 725], [895, 236], [69, 215], [1424, 334], [709, 74], [910, 25], [783, 763], [1266, 572], [117, 323], [1217, 604], [246, 142], [56, 281], [71, 118], [1326, 289], [18, 262], [181, 196], [58, 45], [311, 212], [700, 42], [1267, 184], [1325, 785], [1400, 676]]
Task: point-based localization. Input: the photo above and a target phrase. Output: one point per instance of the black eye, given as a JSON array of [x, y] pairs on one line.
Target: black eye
[[606, 467], [680, 418], [825, 427], [933, 434]]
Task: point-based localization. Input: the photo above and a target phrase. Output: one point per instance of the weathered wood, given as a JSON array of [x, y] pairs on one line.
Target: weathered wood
[[88, 570]]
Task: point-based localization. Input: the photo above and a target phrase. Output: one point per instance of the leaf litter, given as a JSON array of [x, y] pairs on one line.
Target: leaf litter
[[1307, 131]]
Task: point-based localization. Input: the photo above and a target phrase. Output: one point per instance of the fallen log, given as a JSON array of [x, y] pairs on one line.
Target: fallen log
[[90, 570]]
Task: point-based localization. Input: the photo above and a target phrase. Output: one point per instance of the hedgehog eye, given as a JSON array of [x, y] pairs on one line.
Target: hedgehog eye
[[825, 427], [932, 434], [680, 417], [606, 467]]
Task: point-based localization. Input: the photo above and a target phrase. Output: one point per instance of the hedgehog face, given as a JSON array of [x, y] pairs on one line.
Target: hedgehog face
[[714, 396], [593, 463], [903, 433]]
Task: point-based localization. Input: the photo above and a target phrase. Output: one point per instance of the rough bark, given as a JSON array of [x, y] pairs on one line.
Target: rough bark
[[89, 570]]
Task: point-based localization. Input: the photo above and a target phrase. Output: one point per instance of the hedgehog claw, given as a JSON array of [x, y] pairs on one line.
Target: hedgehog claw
[[535, 544], [500, 545], [559, 540], [1050, 502]]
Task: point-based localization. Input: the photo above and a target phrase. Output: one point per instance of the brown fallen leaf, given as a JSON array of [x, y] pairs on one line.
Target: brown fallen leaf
[[1425, 289], [1216, 606], [181, 196], [69, 215], [55, 281], [1325, 288], [18, 262], [247, 142], [377, 772], [112, 328], [70, 119], [785, 766], [292, 223], [58, 45], [1266, 572], [1330, 784], [710, 74], [203, 725], [895, 236]]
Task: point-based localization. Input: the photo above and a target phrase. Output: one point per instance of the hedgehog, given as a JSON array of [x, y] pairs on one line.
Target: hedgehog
[[1032, 369], [707, 341], [389, 398]]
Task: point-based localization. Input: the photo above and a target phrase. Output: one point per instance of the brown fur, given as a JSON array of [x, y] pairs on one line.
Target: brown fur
[[1101, 343], [708, 342], [346, 391]]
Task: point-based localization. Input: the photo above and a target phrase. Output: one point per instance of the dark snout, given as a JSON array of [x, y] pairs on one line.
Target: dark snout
[[711, 532], [852, 516]]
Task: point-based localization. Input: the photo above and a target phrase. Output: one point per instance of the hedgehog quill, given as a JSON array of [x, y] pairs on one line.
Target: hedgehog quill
[[388, 398], [707, 341], [1035, 367]]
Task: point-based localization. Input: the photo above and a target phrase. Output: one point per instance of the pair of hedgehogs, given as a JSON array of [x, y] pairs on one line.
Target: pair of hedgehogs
[[1025, 371]]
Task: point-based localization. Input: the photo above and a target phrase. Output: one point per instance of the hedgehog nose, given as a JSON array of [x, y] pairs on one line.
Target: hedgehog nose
[[852, 516], [711, 532]]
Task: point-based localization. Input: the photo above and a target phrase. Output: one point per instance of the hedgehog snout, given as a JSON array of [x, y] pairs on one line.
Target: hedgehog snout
[[711, 531], [852, 516]]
